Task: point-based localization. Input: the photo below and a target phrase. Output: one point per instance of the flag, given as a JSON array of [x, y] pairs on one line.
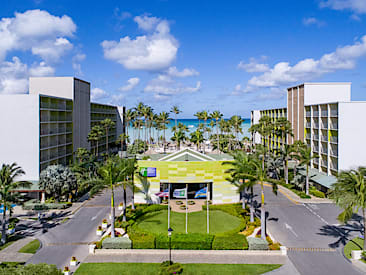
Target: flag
[[202, 193], [163, 194], [180, 193]]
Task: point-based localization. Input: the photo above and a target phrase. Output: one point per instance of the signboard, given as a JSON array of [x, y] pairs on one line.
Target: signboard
[[148, 171], [180, 193]]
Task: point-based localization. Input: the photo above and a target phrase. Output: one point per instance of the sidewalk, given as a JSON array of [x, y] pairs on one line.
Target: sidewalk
[[188, 256], [296, 199], [11, 254]]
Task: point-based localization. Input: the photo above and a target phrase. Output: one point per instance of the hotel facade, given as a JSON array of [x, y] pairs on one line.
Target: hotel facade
[[50, 123], [323, 116]]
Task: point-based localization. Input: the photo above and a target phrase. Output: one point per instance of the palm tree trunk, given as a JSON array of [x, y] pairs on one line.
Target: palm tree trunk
[[218, 138], [3, 230], [286, 171], [263, 215], [364, 228], [133, 192], [307, 180], [112, 213], [251, 205], [164, 140], [243, 202], [106, 145], [97, 148], [124, 203]]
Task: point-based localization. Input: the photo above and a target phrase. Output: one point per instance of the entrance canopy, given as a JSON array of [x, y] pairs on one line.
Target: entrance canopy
[[187, 155]]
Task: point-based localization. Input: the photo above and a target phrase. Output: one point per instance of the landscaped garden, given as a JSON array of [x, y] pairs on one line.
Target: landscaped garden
[[153, 268]]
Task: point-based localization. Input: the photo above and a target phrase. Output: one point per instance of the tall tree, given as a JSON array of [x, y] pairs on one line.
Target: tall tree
[[130, 116], [132, 167], [113, 173], [205, 116], [197, 138], [107, 124], [164, 119], [9, 174], [305, 159], [178, 137], [175, 110], [216, 115], [94, 136], [349, 192]]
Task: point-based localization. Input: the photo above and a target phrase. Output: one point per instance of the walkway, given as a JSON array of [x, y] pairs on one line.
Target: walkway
[[11, 254], [191, 208]]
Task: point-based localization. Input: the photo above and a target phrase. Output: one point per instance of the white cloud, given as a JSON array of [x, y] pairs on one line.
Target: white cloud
[[312, 21], [41, 70], [154, 51], [273, 94], [174, 72], [38, 31], [131, 83], [282, 73], [97, 93], [253, 66], [356, 6], [76, 60], [355, 17]]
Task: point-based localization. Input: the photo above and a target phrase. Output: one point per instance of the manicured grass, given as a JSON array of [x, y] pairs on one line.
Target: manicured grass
[[354, 244], [153, 268], [31, 247], [157, 222]]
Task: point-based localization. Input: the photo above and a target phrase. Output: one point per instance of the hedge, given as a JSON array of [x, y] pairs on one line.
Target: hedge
[[117, 243], [141, 240], [45, 206], [317, 193], [230, 242], [193, 241], [257, 244]]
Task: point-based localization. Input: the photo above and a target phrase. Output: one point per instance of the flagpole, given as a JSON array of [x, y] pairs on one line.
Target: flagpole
[[169, 205], [208, 216], [186, 208]]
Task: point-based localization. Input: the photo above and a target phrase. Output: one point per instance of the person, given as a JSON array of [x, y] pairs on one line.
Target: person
[[39, 216]]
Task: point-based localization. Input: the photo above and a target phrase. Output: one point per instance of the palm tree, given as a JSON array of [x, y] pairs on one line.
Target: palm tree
[[131, 170], [107, 124], [95, 136], [199, 116], [130, 116], [205, 116], [178, 137], [197, 138], [286, 153], [8, 182], [349, 192], [176, 111], [216, 115], [164, 119], [236, 122], [112, 173], [305, 157], [123, 138], [241, 175]]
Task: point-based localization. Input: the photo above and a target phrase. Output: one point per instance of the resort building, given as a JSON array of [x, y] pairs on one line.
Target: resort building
[[49, 124], [324, 117], [186, 168]]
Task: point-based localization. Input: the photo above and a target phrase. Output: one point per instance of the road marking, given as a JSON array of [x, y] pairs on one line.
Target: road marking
[[316, 214], [283, 193], [93, 218], [314, 206], [311, 249], [64, 244], [289, 227]]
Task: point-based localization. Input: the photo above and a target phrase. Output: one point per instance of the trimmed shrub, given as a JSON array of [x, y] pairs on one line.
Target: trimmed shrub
[[257, 244], [230, 242], [317, 193], [167, 268], [194, 241], [45, 206], [142, 241], [117, 243]]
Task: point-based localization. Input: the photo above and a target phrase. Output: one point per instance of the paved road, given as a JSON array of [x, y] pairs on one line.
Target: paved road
[[308, 227], [71, 238]]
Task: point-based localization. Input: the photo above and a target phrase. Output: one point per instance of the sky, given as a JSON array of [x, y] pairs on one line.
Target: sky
[[232, 56]]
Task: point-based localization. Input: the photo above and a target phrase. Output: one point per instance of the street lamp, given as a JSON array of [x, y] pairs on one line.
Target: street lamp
[[170, 245]]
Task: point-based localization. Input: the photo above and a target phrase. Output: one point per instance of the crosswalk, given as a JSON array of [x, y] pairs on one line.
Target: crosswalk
[[311, 249]]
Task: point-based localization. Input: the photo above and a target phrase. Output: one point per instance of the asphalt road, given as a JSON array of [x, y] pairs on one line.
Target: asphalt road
[[312, 233], [72, 238]]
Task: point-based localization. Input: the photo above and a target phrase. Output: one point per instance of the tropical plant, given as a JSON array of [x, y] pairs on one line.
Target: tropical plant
[[58, 180], [216, 115], [129, 116], [305, 157], [175, 110], [164, 120], [130, 171], [107, 124], [286, 152], [9, 175], [178, 137], [197, 138], [236, 122], [349, 192], [82, 154], [95, 136], [123, 138]]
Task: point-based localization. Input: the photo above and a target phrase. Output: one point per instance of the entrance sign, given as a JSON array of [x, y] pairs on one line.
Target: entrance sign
[[148, 171], [180, 193]]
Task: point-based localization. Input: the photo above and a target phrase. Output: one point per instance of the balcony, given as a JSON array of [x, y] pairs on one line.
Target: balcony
[[334, 113], [333, 126], [324, 125], [334, 166], [324, 113], [324, 150], [316, 113], [334, 139], [308, 113], [333, 153], [316, 149], [308, 136], [324, 163], [308, 125], [316, 137], [324, 138]]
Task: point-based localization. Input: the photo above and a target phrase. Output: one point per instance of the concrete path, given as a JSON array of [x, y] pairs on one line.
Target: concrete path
[[188, 256], [11, 254], [295, 198], [287, 269]]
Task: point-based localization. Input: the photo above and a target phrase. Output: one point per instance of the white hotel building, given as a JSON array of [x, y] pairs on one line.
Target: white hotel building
[[47, 125], [324, 117]]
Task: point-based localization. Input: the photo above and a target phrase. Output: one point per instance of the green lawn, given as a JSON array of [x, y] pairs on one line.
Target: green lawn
[[31, 247], [153, 269], [157, 222], [354, 244], [10, 240]]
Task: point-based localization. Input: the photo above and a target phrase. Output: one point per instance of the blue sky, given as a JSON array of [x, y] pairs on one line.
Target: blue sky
[[233, 56]]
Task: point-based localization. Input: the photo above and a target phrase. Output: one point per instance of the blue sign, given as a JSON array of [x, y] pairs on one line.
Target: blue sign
[[148, 172]]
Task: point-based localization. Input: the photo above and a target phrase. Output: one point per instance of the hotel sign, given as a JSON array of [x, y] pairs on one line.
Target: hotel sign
[[148, 171]]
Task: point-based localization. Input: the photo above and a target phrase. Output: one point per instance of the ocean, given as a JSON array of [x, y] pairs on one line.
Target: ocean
[[192, 125]]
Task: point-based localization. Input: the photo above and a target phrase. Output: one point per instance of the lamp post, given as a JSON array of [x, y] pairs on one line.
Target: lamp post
[[170, 245]]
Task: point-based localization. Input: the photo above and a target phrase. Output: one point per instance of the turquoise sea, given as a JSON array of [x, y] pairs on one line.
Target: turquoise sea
[[192, 125]]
